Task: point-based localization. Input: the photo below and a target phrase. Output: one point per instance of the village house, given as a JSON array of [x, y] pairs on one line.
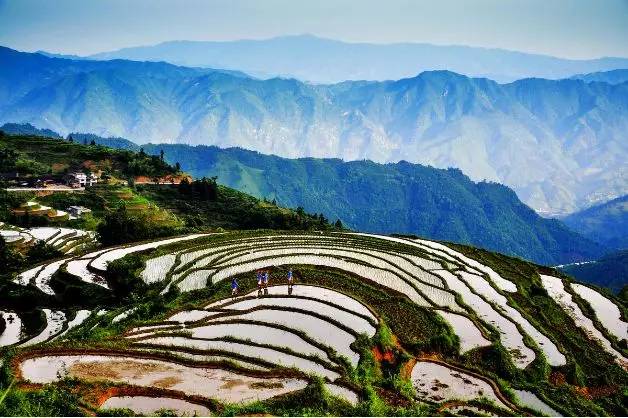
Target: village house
[[78, 211], [80, 179]]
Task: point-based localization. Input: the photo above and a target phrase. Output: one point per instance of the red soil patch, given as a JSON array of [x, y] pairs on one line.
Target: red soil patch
[[381, 356], [596, 392], [557, 379], [406, 369]]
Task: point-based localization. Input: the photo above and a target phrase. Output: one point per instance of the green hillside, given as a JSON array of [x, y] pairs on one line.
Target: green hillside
[[123, 211], [392, 198]]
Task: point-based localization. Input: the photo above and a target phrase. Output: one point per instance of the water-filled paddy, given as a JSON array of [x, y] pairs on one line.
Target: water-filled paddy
[[220, 384]]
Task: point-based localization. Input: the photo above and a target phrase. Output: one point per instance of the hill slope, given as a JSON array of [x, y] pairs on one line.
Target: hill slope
[[531, 135], [386, 198], [140, 211], [320, 60], [606, 223]]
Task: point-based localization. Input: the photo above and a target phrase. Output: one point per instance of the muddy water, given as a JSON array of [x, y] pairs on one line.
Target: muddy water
[[439, 383], [220, 384], [147, 405]]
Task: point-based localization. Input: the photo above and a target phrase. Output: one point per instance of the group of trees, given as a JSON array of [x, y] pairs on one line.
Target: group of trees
[[121, 226], [205, 189]]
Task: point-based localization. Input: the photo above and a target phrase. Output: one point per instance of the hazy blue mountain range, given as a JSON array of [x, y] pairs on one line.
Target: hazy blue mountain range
[[606, 223], [610, 271], [611, 77], [319, 60], [559, 144]]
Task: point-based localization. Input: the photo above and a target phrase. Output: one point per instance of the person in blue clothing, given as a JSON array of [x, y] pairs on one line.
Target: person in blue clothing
[[266, 278], [290, 279], [234, 287]]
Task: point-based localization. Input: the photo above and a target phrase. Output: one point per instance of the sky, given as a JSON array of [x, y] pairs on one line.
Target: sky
[[577, 29]]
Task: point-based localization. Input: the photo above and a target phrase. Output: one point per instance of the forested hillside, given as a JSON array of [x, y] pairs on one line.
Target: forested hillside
[[392, 198]]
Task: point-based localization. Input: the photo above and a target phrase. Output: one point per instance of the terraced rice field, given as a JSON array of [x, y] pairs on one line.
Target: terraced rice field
[[54, 325], [530, 400], [511, 337], [605, 310], [147, 405], [470, 336], [481, 287], [284, 330], [261, 344], [556, 289], [413, 268], [66, 240], [437, 383], [206, 382]]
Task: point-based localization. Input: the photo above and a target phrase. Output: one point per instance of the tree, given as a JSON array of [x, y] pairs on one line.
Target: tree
[[161, 155], [177, 166], [70, 139], [338, 224], [142, 152], [92, 143]]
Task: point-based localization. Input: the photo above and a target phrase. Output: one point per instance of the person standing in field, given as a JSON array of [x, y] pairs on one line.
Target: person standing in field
[[265, 282], [290, 281], [259, 283], [234, 287]]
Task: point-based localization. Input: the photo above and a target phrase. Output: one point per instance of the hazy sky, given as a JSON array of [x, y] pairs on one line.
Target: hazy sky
[[564, 28]]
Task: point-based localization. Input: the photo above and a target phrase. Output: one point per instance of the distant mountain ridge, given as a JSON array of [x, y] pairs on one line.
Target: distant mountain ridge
[[612, 77], [606, 223], [559, 144], [320, 60]]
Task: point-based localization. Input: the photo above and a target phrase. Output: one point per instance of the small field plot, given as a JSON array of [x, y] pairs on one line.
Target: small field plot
[[78, 319], [220, 384], [439, 383], [42, 279], [469, 334], [147, 405], [12, 328], [529, 399], [157, 268], [605, 310]]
